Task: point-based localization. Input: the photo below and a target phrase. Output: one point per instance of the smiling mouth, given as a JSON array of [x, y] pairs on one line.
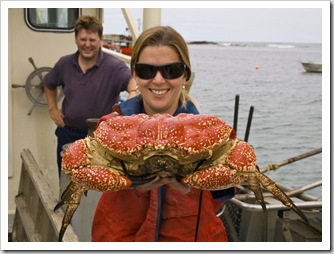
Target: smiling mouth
[[159, 92]]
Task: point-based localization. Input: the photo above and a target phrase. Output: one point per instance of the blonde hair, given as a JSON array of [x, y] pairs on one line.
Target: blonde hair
[[164, 36]]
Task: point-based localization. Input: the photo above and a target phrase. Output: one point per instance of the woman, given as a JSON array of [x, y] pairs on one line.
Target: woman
[[164, 209]]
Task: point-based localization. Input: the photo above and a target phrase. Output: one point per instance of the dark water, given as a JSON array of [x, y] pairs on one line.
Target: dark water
[[287, 118]]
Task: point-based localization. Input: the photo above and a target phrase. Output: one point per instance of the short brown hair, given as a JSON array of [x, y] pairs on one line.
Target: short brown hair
[[89, 23]]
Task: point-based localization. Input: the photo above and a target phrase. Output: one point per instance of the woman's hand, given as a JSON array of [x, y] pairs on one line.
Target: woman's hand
[[179, 186], [157, 182]]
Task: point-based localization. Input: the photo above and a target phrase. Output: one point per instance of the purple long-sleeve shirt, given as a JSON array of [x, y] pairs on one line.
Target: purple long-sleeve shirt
[[91, 94]]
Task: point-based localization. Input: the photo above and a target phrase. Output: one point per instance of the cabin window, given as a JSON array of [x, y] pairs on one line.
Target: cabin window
[[51, 19]]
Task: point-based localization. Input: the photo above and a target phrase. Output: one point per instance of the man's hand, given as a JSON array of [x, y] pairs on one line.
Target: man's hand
[[57, 117], [55, 114]]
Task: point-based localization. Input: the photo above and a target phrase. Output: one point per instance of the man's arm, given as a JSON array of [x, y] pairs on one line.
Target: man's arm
[[55, 114]]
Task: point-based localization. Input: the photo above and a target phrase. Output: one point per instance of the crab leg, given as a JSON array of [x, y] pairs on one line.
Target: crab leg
[[100, 178], [71, 196], [96, 178], [271, 186], [215, 178], [254, 185], [221, 177]]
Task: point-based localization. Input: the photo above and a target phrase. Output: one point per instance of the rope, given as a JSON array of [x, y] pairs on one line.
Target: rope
[[199, 203], [199, 214], [161, 197]]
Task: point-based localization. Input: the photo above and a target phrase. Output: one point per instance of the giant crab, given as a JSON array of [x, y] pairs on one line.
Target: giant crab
[[201, 151]]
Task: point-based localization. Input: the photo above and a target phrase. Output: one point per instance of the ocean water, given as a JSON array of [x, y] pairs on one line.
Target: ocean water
[[287, 101]]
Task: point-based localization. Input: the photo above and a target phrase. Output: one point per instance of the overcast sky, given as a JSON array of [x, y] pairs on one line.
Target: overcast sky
[[232, 24]]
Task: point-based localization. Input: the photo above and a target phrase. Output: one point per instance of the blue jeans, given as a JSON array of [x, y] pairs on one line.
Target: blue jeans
[[65, 136]]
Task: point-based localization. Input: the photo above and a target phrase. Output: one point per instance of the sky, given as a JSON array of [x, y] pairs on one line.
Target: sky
[[301, 25]]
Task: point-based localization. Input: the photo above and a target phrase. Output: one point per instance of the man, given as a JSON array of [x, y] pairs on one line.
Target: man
[[91, 81]]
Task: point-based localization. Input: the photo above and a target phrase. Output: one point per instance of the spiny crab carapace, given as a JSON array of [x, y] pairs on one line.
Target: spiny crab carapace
[[201, 151]]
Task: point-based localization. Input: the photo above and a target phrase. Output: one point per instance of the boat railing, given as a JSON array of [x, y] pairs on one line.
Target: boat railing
[[120, 56], [35, 219], [243, 215], [240, 200], [277, 223]]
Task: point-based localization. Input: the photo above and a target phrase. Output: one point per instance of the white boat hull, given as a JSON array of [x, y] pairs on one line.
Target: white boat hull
[[312, 67]]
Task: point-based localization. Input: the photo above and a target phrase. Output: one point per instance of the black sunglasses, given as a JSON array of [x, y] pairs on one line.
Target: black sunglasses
[[168, 71]]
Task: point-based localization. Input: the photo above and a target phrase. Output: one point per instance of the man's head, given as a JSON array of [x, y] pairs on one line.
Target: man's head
[[88, 37]]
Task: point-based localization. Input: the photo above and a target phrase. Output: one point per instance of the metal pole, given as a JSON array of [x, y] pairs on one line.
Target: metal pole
[[291, 160], [131, 23], [236, 109], [152, 17], [250, 116]]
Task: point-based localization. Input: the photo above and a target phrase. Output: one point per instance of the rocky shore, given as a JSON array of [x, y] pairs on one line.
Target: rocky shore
[[202, 42]]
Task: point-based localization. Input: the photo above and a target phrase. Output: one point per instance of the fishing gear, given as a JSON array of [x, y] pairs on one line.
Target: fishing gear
[[249, 122], [236, 111], [277, 165]]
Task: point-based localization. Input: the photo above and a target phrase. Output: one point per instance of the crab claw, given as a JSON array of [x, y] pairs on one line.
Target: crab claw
[[84, 175], [74, 191], [71, 196], [79, 165]]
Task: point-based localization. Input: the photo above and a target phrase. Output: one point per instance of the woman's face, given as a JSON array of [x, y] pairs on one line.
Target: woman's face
[[160, 95]]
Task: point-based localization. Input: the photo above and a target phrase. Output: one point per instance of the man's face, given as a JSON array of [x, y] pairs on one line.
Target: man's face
[[88, 44]]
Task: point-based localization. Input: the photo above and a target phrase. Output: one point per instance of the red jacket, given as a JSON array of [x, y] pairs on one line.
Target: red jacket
[[124, 216], [129, 216]]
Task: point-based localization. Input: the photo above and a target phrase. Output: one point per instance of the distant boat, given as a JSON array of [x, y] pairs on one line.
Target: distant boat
[[119, 43], [312, 66]]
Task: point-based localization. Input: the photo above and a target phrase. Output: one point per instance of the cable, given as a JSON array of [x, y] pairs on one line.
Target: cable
[[161, 197], [199, 214]]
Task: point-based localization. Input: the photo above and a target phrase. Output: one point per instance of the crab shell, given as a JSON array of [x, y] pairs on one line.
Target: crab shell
[[159, 145]]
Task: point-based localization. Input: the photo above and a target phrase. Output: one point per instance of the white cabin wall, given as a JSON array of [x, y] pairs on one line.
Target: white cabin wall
[[97, 12], [10, 113], [35, 132]]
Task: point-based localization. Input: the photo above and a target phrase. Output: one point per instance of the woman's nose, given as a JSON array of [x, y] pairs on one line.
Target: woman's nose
[[158, 78]]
